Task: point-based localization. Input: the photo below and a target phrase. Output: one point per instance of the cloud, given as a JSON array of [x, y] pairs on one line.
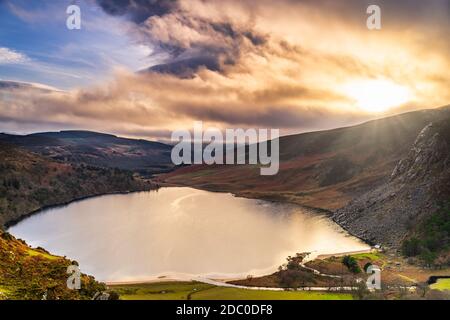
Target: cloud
[[193, 41], [15, 85], [216, 34], [249, 64], [186, 68], [9, 56], [137, 10]]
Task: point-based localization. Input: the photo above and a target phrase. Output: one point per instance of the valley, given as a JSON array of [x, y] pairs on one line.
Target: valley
[[385, 181]]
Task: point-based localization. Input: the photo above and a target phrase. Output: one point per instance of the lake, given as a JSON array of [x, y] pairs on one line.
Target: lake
[[181, 233]]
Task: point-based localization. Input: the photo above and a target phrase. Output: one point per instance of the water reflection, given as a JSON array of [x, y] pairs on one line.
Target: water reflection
[[179, 231]]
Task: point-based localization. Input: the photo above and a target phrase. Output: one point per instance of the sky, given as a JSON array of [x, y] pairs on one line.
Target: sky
[[143, 68]]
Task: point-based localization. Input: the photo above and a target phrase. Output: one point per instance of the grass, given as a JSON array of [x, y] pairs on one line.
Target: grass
[[34, 253], [159, 291], [200, 291], [222, 293], [370, 256], [28, 274], [441, 284], [4, 292]]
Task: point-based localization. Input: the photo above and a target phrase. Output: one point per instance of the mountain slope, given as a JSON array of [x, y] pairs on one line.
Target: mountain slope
[[321, 169], [418, 186], [97, 149]]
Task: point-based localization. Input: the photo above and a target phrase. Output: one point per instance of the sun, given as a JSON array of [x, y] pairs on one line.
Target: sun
[[377, 95]]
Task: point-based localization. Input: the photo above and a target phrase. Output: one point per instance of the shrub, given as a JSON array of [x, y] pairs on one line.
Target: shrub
[[351, 263], [411, 247]]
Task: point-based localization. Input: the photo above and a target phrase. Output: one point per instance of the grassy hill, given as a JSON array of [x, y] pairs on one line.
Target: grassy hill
[[32, 274]]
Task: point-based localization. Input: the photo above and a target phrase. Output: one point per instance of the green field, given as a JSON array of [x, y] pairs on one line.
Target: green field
[[160, 290], [441, 284], [34, 253], [371, 256], [201, 291]]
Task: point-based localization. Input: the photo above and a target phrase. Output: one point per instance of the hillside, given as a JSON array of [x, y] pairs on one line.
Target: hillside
[[323, 169], [29, 182], [418, 187], [34, 274], [97, 149]]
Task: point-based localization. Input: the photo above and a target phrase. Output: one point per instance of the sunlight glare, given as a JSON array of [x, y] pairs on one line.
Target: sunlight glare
[[377, 95]]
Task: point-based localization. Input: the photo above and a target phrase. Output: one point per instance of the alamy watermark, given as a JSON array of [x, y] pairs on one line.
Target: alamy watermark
[[374, 20], [74, 280], [239, 146], [73, 21], [374, 280]]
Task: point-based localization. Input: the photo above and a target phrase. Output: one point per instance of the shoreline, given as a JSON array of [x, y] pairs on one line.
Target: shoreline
[[264, 197], [217, 281]]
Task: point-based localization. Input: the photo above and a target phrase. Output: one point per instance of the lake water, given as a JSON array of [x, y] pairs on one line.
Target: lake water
[[180, 233]]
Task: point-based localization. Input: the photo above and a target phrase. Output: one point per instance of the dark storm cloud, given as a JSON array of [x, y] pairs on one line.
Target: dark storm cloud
[[220, 46], [226, 42], [410, 11], [187, 68], [137, 10], [214, 56], [186, 61]]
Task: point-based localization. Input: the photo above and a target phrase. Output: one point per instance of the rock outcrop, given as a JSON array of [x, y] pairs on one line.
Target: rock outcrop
[[418, 185]]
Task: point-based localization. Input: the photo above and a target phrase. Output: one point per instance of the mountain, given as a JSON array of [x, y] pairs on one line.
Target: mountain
[[323, 169], [97, 149], [417, 188], [29, 182]]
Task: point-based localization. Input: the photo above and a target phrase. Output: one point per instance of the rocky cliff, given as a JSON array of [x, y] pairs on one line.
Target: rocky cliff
[[418, 186]]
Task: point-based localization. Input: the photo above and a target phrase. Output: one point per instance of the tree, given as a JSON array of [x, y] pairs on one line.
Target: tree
[[351, 263], [411, 247], [428, 257]]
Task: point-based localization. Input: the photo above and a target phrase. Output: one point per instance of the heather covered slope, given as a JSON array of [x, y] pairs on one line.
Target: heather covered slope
[[34, 274], [321, 169], [97, 149], [29, 182]]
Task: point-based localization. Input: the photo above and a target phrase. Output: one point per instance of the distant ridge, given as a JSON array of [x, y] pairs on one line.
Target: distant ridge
[[73, 134], [97, 149]]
